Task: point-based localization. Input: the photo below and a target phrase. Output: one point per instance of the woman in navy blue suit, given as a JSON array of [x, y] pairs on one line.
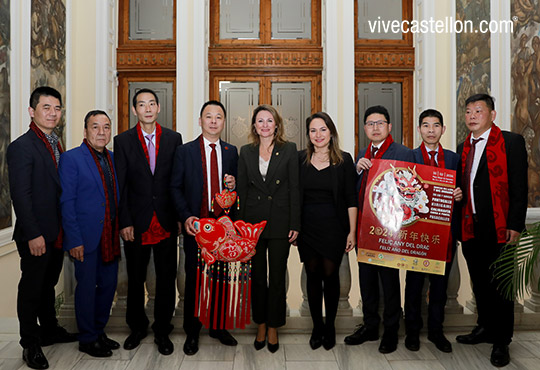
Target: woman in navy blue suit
[[329, 213], [267, 184]]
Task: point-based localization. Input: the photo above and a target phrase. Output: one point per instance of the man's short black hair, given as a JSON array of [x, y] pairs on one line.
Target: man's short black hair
[[213, 102], [44, 91], [430, 113], [377, 109], [94, 113], [488, 99], [141, 91]]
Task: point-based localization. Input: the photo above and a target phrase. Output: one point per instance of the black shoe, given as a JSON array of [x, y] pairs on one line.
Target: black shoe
[[95, 349], [316, 339], [259, 345], [134, 339], [478, 335], [500, 355], [57, 335], [412, 342], [329, 339], [164, 344], [191, 345], [108, 342], [273, 347], [361, 335], [223, 336], [34, 358], [389, 343], [440, 342]]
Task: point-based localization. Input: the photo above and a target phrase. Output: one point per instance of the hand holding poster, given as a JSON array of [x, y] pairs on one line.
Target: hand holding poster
[[406, 216]]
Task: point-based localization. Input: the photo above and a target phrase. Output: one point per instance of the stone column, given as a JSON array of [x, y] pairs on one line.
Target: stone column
[[344, 307], [181, 277], [454, 281]]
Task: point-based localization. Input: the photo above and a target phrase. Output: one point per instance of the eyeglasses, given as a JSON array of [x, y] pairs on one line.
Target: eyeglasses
[[372, 124]]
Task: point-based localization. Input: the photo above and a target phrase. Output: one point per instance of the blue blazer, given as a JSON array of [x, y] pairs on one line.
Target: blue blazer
[[83, 199], [395, 151], [187, 179]]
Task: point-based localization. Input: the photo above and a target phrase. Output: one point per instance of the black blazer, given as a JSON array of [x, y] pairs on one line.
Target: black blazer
[[516, 159], [276, 200], [344, 178], [35, 189], [187, 179], [141, 192]]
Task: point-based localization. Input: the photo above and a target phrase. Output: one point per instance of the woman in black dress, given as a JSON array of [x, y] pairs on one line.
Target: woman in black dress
[[329, 213]]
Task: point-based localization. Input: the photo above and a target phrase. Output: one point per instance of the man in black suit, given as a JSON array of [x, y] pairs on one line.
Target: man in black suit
[[493, 171], [191, 193], [35, 192], [143, 157], [431, 128], [377, 127]]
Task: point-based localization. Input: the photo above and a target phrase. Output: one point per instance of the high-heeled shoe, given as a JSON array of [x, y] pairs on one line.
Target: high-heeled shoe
[[316, 339], [273, 347], [259, 345], [329, 339]]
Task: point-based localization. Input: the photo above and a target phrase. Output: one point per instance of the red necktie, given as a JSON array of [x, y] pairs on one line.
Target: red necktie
[[374, 150], [468, 166], [432, 154], [214, 178]]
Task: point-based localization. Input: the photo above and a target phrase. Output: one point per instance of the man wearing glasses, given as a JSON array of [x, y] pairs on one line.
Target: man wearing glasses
[[377, 127]]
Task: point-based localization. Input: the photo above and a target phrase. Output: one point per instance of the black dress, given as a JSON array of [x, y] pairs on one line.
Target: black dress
[[322, 234]]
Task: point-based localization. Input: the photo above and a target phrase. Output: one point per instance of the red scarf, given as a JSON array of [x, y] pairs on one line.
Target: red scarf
[[155, 232], [389, 140], [440, 155], [110, 241], [41, 135], [498, 181]]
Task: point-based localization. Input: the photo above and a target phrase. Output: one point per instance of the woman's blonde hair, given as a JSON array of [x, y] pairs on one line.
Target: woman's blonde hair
[[279, 133]]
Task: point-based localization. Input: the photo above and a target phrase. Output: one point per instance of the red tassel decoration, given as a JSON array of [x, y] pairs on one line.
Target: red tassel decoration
[[215, 297]]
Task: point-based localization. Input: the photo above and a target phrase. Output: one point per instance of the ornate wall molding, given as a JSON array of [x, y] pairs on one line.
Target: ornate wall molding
[[228, 58], [130, 60], [384, 59]]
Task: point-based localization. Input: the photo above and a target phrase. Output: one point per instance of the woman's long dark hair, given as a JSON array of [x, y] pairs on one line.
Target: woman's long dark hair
[[333, 145]]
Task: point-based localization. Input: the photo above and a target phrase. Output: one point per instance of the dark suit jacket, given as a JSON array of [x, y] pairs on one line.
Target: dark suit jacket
[[395, 151], [35, 189], [343, 186], [188, 179], [516, 159], [141, 192], [82, 200], [276, 200]]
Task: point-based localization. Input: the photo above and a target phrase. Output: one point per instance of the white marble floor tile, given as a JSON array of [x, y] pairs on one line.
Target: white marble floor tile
[[212, 352], [12, 364], [403, 354], [303, 352], [532, 347], [363, 357], [526, 363], [63, 356], [247, 358], [416, 365], [526, 335], [206, 365], [307, 365], [11, 350], [101, 364], [465, 357], [147, 357]]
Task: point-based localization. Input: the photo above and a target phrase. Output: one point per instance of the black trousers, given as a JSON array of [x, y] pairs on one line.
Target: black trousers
[[495, 313], [165, 263], [369, 290], [268, 291], [414, 285], [36, 296]]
